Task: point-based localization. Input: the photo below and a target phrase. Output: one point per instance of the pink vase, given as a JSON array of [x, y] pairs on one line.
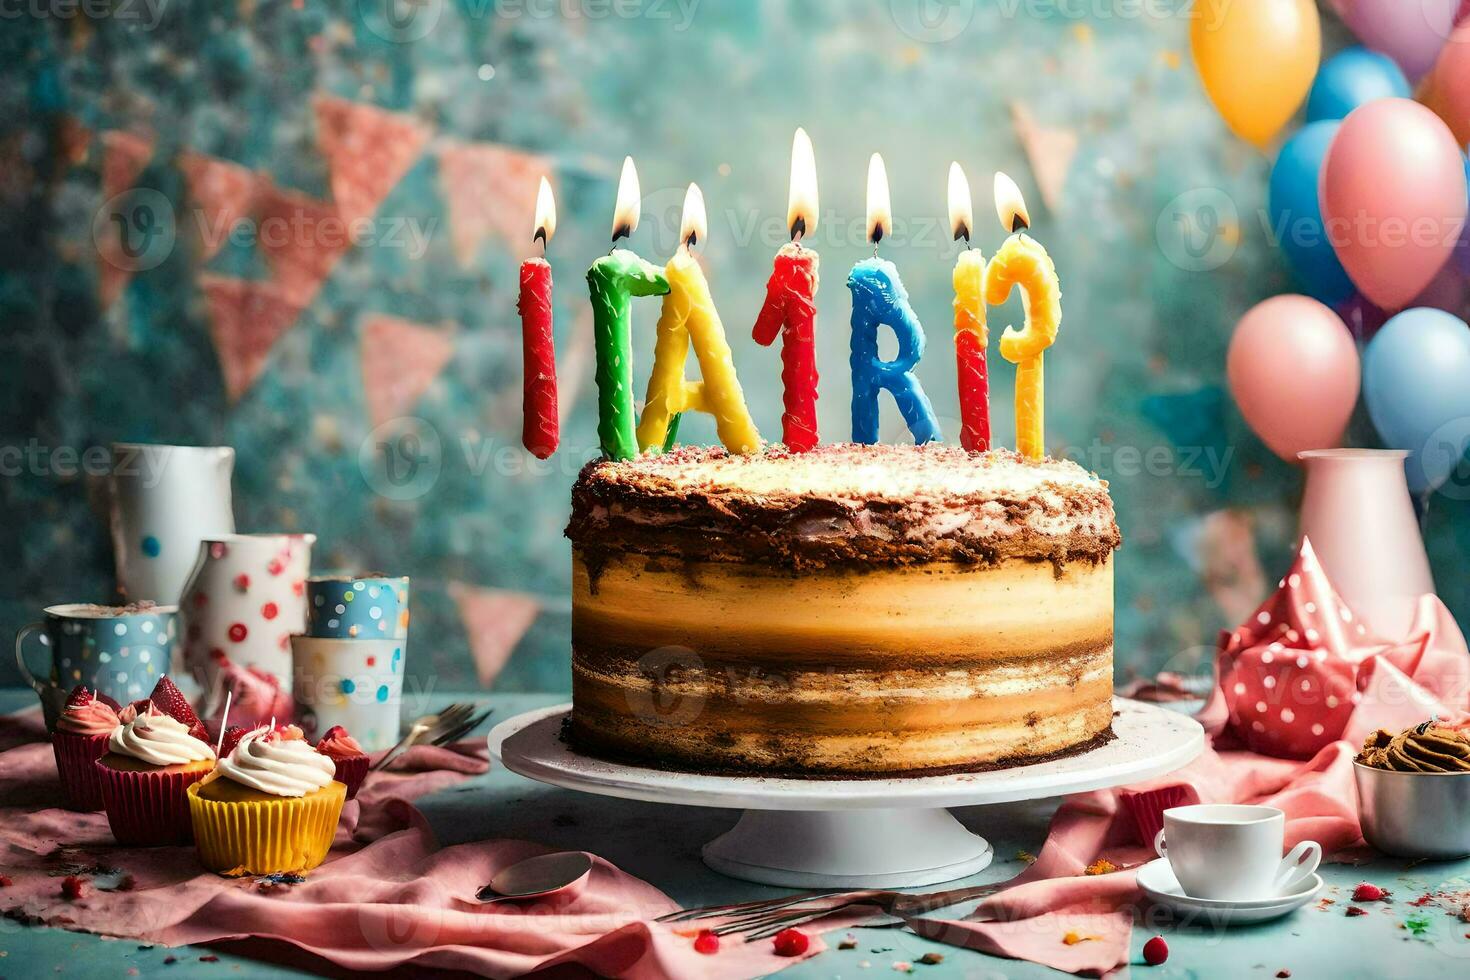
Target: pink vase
[[1360, 520]]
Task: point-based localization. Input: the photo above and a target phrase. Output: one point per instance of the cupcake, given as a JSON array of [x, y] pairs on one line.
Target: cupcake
[[151, 759], [270, 807], [80, 739], [351, 760]]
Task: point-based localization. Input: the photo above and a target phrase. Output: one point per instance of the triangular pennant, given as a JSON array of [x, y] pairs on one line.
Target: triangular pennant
[[400, 359], [490, 190], [494, 620], [367, 150], [124, 155], [246, 317], [219, 193], [1050, 152], [301, 238]]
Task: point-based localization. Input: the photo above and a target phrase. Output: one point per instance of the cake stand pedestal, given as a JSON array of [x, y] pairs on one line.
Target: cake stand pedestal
[[839, 833]]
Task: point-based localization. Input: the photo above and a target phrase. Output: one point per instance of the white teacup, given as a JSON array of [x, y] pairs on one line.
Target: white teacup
[[1232, 852]]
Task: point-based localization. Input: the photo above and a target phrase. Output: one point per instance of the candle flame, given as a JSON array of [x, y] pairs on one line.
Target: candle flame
[[545, 213], [801, 206], [880, 212], [693, 226], [961, 211], [630, 201], [1010, 206]]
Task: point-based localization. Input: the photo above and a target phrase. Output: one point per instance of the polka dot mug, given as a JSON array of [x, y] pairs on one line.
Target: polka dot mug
[[118, 650]]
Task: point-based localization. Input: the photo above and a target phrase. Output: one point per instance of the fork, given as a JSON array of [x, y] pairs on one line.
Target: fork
[[763, 919], [428, 728]]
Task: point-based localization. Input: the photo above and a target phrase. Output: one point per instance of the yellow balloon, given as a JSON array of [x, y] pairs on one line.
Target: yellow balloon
[[1257, 59]]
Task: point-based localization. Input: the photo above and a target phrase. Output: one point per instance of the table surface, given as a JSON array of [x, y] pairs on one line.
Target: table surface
[[660, 843]]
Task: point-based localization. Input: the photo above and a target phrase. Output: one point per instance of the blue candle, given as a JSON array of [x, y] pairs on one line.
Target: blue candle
[[878, 298]]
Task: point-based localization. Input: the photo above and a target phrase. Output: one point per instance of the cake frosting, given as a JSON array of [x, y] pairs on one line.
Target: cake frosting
[[89, 717], [1423, 748], [851, 610], [337, 744], [158, 740], [264, 761]]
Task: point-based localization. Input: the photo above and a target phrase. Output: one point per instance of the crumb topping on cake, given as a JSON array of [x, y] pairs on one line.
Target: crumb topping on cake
[[845, 503]]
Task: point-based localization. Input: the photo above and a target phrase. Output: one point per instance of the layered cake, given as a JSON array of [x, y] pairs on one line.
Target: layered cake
[[850, 611]]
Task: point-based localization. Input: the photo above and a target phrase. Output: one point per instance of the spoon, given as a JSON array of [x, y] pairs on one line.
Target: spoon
[[563, 874]]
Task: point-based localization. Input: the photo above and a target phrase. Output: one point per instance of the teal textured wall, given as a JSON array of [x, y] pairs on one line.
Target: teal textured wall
[[333, 365]]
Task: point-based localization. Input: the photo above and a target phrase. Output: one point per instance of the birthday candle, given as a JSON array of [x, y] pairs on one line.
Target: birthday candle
[[790, 308], [1022, 262], [689, 317], [613, 281], [878, 298], [970, 333], [540, 428]]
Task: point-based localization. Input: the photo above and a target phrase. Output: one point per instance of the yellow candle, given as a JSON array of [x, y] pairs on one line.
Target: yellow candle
[[689, 317], [1022, 262]]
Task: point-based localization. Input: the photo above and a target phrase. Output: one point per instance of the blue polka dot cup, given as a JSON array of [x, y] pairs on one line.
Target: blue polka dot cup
[[355, 683], [118, 650], [366, 608]]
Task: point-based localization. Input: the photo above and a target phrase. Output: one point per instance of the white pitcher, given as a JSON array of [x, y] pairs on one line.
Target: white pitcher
[[243, 603], [165, 500]]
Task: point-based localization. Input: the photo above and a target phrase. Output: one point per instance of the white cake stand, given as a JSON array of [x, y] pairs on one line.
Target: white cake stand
[[880, 833]]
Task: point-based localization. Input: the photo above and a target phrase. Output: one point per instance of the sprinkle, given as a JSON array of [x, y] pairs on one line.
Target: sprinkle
[[1102, 866], [1353, 910], [1072, 939], [932, 959], [903, 966], [848, 942]]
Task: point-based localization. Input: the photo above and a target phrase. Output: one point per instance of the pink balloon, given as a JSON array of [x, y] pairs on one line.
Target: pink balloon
[[1410, 32], [1393, 199], [1293, 369]]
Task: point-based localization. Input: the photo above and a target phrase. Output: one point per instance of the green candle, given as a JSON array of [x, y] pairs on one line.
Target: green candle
[[613, 281]]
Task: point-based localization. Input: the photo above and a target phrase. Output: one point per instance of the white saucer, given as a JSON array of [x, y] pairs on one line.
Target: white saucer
[[1158, 882]]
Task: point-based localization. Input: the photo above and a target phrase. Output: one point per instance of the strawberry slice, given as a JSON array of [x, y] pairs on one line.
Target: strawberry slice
[[79, 697], [171, 701], [233, 734], [336, 731]]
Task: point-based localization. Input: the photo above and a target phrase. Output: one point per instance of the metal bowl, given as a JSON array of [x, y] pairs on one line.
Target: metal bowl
[[1415, 814]]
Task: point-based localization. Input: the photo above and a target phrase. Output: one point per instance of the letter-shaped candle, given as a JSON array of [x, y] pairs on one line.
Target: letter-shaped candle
[[878, 298], [1022, 262], [540, 428], [613, 281], [689, 317], [970, 334], [790, 309]]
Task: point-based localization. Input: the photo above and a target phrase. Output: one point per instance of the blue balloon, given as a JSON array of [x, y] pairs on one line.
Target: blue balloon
[[1350, 79], [1296, 215], [1416, 381]]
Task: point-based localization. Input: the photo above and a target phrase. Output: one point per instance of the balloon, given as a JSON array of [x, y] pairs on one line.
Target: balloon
[[1446, 89], [1352, 78], [1363, 319], [1414, 381], [1296, 215], [1410, 32], [1393, 196], [1257, 59], [1293, 369]]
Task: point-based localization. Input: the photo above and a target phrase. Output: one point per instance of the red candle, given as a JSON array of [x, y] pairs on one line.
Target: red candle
[[540, 427], [970, 332], [790, 308], [974, 392]]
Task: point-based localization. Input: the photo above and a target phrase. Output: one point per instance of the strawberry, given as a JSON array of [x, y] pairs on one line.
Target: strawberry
[[707, 943], [1155, 951], [80, 697], [1369, 892], [233, 734], [71, 888], [336, 731], [171, 701], [791, 942], [287, 733], [110, 702]]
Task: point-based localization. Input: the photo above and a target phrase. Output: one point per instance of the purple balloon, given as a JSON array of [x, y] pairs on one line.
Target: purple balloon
[[1410, 32]]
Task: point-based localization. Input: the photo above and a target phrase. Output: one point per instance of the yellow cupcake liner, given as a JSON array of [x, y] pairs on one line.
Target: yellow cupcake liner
[[261, 837]]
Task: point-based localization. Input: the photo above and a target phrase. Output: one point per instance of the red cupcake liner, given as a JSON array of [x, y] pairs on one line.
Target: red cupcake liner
[[148, 808], [351, 771], [76, 763], [1147, 808]]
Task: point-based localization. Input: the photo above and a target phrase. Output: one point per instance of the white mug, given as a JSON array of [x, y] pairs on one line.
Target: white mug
[[1232, 852]]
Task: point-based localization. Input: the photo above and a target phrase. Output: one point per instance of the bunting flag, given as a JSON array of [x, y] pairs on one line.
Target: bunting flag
[[400, 359], [494, 620], [246, 317], [367, 150], [301, 238], [490, 190], [124, 155], [1050, 152], [220, 194]]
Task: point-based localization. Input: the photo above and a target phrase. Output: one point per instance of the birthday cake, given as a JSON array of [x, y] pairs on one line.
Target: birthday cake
[[850, 611]]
